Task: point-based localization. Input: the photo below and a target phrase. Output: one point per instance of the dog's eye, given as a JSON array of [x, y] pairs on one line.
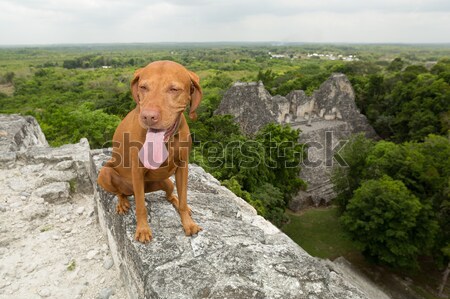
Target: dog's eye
[[143, 88], [174, 89]]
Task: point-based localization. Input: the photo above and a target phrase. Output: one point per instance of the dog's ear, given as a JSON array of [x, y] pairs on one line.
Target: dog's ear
[[134, 85], [196, 95]]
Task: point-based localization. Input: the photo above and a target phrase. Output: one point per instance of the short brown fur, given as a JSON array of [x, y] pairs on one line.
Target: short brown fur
[[165, 88]]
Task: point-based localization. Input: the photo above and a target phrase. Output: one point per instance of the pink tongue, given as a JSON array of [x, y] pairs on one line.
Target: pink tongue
[[153, 153]]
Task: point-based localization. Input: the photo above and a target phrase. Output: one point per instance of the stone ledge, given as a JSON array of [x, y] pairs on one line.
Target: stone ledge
[[19, 132], [237, 255]]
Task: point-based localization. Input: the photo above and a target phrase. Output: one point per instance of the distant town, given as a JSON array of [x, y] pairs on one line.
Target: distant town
[[327, 56]]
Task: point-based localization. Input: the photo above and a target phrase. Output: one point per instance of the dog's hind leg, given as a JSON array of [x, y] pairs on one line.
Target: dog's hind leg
[[123, 205], [110, 180]]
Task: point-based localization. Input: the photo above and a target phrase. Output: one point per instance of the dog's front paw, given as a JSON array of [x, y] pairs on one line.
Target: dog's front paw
[[143, 233], [191, 228]]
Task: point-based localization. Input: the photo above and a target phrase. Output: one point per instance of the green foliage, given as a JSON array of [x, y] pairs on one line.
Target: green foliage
[[384, 217], [72, 96], [272, 202], [406, 103], [120, 104], [283, 155], [62, 125], [436, 150], [422, 168], [98, 61], [396, 64], [267, 77], [348, 179], [220, 80], [7, 78], [251, 168], [70, 105], [308, 77], [236, 188]]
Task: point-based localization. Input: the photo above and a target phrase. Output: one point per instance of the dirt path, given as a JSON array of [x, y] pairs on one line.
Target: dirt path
[[51, 250]]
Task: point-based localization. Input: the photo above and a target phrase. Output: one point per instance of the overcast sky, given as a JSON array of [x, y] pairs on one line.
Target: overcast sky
[[110, 21]]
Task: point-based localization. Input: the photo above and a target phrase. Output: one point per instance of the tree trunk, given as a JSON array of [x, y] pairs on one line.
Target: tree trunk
[[444, 280]]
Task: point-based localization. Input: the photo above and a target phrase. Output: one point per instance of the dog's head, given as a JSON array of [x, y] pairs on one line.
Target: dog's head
[[163, 90]]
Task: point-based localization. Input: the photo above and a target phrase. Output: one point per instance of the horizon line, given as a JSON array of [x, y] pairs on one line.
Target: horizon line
[[269, 43]]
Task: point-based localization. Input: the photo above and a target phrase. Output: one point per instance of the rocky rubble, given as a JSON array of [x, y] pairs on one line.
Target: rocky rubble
[[50, 242]]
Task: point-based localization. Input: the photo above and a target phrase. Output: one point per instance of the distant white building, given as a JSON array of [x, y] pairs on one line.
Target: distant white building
[[276, 56], [333, 57]]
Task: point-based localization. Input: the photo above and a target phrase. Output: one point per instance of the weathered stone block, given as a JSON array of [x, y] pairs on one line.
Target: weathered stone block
[[19, 132], [54, 192], [238, 254], [330, 109]]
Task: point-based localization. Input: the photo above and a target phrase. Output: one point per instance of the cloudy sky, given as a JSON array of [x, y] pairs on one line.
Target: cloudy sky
[[110, 21]]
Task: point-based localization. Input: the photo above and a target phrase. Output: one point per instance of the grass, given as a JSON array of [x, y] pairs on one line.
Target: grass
[[319, 232], [46, 227], [73, 185], [71, 266], [7, 89]]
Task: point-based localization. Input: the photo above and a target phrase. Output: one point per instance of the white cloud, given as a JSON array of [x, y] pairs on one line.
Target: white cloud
[[89, 21], [367, 27]]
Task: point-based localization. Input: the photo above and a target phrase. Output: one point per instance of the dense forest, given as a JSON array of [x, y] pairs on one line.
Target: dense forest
[[394, 197]]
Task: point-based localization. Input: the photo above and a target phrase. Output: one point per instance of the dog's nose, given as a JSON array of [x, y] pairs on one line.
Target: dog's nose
[[150, 116]]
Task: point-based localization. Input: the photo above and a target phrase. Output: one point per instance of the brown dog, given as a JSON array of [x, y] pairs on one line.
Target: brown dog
[[152, 143]]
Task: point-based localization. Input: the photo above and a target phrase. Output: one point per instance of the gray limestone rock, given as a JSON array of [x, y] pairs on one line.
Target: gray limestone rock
[[21, 139], [253, 106], [326, 119], [250, 104], [18, 184], [237, 255], [52, 232], [301, 201], [54, 192], [108, 262], [335, 100], [105, 293], [51, 176], [70, 163], [19, 132], [7, 159], [324, 139], [36, 212]]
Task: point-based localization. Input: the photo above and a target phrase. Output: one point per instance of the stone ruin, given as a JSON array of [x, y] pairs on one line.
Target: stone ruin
[[239, 254], [326, 119]]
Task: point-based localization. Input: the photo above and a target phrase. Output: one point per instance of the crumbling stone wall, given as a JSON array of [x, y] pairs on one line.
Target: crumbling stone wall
[[326, 118]]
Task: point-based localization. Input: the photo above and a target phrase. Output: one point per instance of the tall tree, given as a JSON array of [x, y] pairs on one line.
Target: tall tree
[[383, 217]]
